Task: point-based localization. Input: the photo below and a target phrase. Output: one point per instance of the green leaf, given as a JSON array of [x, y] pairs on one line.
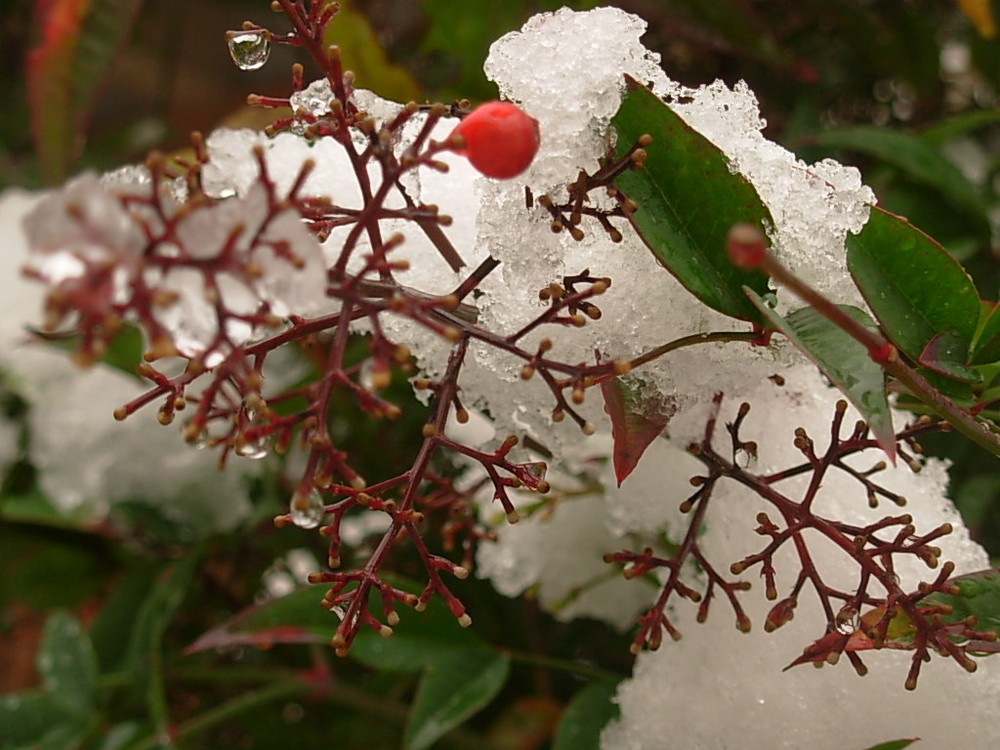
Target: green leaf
[[914, 287], [67, 664], [116, 619], [120, 736], [39, 555], [978, 596], [365, 55], [80, 39], [32, 507], [939, 133], [986, 346], [144, 659], [124, 351], [420, 639], [894, 744], [68, 735], [843, 360], [916, 158], [26, 716], [636, 421], [586, 716], [454, 687], [455, 45], [688, 199]]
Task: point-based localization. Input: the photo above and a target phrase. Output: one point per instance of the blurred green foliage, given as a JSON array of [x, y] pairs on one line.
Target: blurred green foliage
[[879, 85]]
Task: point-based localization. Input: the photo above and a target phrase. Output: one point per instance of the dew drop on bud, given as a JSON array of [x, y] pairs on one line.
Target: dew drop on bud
[[249, 48], [846, 621], [254, 450], [306, 511]]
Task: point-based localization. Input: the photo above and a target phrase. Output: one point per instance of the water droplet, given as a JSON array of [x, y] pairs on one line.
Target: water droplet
[[306, 511], [536, 469], [846, 621], [252, 447], [249, 48], [252, 450]]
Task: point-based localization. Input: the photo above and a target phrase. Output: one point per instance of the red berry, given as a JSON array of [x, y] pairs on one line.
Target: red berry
[[500, 139]]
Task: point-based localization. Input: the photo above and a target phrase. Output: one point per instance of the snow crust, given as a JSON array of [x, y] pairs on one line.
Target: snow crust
[[87, 462]]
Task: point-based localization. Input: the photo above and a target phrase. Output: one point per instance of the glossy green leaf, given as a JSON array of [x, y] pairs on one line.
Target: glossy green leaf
[[454, 687], [914, 156], [843, 360], [688, 199], [65, 71], [986, 347], [586, 715], [67, 664], [636, 421], [978, 596], [914, 287]]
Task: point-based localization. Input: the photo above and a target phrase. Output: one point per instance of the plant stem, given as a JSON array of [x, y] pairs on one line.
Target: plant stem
[[961, 420], [693, 339]]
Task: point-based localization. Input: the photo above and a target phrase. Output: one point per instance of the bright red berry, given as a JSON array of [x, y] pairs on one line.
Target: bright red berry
[[500, 139]]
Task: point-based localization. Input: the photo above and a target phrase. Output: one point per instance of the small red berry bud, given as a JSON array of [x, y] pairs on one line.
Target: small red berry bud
[[746, 246], [500, 139]]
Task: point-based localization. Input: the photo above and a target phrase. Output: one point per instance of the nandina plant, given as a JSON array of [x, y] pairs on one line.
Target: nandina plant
[[223, 268]]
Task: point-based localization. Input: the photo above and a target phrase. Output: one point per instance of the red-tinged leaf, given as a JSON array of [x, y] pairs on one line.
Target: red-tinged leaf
[[636, 421], [48, 67], [946, 355], [79, 40], [832, 642], [914, 287], [263, 638], [295, 618]]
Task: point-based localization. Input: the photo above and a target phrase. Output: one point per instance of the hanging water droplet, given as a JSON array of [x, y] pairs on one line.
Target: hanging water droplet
[[254, 450], [846, 621], [535, 473], [306, 511], [251, 446], [249, 48]]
